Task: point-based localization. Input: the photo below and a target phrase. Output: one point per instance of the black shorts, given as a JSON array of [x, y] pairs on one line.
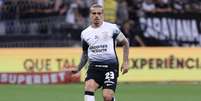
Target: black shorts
[[106, 78]]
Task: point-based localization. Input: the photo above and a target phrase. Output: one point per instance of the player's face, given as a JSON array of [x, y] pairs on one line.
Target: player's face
[[96, 15]]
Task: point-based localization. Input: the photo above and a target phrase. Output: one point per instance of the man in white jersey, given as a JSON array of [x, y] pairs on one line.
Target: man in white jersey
[[98, 44]]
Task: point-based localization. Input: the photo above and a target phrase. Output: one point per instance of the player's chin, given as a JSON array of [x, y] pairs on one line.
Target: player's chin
[[97, 22]]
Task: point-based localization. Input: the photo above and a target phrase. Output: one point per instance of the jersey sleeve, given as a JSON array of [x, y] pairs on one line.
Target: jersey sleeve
[[117, 34], [84, 44]]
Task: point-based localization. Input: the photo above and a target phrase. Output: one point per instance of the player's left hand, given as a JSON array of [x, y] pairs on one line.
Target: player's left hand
[[124, 68]]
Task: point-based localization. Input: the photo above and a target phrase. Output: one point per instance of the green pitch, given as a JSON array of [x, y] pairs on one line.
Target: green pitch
[[125, 92]]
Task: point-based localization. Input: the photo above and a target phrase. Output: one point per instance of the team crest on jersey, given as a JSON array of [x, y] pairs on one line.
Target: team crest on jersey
[[92, 40], [105, 35]]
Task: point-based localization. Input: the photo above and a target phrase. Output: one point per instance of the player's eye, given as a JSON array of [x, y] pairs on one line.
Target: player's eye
[[99, 13], [94, 13]]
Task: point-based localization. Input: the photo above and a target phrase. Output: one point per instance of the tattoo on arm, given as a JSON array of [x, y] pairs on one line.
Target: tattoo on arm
[[83, 60]]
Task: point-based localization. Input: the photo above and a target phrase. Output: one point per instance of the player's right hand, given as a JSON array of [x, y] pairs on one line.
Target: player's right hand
[[75, 71]]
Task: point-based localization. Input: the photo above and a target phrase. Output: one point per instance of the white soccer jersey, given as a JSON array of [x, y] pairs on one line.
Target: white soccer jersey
[[100, 43]]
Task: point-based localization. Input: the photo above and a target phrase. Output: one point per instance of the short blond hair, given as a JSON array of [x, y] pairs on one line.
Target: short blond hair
[[96, 6]]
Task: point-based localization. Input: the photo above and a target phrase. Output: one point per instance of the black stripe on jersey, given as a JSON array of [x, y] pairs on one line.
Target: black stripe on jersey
[[115, 34], [114, 47], [84, 45]]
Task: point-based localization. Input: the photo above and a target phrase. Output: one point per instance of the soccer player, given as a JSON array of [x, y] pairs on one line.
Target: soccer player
[[98, 44]]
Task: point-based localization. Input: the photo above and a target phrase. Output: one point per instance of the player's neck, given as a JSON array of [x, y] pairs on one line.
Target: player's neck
[[96, 25]]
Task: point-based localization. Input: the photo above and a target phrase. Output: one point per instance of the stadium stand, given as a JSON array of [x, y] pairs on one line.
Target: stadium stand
[[58, 23]]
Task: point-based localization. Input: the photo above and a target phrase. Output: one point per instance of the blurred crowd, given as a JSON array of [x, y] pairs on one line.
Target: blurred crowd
[[41, 17], [177, 6]]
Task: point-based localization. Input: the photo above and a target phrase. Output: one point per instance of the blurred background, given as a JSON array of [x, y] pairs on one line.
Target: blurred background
[[58, 23], [40, 45]]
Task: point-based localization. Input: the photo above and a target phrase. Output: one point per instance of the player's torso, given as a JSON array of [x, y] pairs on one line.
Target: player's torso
[[101, 43]]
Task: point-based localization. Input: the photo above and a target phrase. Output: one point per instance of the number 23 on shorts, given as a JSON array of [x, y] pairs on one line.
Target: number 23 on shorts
[[109, 75]]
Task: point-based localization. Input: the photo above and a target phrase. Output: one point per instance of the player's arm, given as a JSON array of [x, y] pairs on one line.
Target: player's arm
[[124, 42], [83, 60], [84, 57]]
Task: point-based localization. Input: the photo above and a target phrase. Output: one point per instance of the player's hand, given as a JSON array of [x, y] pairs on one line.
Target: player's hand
[[75, 71], [124, 68]]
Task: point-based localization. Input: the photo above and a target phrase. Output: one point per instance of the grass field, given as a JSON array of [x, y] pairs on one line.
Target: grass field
[[125, 92]]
